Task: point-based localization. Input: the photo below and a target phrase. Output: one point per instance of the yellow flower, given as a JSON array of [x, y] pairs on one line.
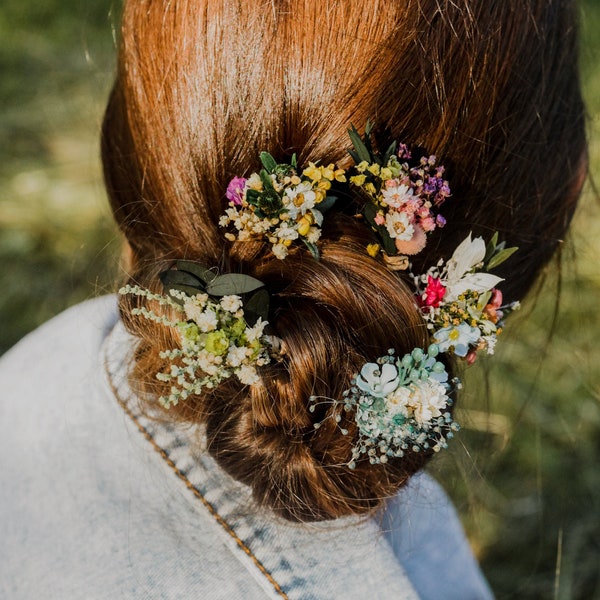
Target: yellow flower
[[385, 174], [295, 180], [340, 175], [303, 225], [374, 168], [324, 184], [370, 188], [319, 195], [373, 249], [313, 172], [328, 171], [362, 166], [358, 180]]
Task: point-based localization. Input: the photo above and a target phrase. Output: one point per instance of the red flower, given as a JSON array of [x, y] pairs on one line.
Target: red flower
[[434, 292]]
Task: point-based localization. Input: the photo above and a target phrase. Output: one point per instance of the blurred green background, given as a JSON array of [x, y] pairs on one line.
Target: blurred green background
[[524, 471]]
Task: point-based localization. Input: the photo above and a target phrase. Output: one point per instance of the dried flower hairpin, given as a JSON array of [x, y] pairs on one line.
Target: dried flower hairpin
[[220, 321], [401, 201], [400, 405], [281, 204], [459, 299]]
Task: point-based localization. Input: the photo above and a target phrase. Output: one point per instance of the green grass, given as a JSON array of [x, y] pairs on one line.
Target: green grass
[[523, 471]]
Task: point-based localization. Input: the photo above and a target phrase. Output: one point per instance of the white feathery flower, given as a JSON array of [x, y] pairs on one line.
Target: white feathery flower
[[255, 333], [280, 251], [236, 356], [427, 399], [247, 375], [231, 303], [397, 195], [207, 321]]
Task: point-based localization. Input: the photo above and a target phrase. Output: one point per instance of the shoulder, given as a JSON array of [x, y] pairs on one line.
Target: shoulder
[[75, 334], [426, 535]]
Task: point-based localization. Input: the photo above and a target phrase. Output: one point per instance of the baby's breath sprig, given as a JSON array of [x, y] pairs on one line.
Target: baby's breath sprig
[[400, 405], [281, 204], [401, 201], [215, 342]]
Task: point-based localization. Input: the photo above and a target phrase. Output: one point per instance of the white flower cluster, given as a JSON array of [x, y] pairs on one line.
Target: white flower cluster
[[215, 342], [400, 405]]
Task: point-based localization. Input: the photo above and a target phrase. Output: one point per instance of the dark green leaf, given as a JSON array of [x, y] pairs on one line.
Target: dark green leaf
[[233, 284], [172, 278], [294, 161], [326, 204], [388, 153], [370, 212], [268, 161], [361, 150], [266, 180], [257, 306], [500, 257], [490, 249], [195, 269]]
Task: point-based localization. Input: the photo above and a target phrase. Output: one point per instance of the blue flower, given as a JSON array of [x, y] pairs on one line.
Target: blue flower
[[458, 337], [378, 380]]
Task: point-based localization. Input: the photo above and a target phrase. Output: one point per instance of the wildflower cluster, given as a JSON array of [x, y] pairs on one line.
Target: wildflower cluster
[[281, 204], [400, 405], [459, 299], [402, 200], [215, 342]]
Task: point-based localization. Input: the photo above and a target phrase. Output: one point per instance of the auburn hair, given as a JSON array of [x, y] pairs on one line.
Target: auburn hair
[[491, 88]]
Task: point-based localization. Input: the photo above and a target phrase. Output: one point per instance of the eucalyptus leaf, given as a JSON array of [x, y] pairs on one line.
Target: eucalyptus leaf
[[257, 306], [327, 204], [268, 161], [173, 278], [195, 269], [233, 284], [500, 257]]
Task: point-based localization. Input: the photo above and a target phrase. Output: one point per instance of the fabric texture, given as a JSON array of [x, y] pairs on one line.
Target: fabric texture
[[97, 501]]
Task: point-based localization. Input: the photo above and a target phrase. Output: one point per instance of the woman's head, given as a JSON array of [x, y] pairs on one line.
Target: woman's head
[[202, 87]]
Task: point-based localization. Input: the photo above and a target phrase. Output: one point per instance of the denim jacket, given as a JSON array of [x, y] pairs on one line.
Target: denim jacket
[[98, 501]]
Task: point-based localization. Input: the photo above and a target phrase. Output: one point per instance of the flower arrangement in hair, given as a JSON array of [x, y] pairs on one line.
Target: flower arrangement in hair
[[281, 204], [401, 201]]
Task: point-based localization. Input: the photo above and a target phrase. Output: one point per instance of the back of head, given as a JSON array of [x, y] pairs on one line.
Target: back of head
[[203, 87]]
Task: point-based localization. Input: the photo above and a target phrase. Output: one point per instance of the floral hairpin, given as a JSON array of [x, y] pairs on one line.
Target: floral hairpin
[[400, 405], [459, 299], [281, 204], [220, 334], [402, 201]]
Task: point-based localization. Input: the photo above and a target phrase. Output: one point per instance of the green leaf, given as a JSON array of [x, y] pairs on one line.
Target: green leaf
[[500, 257], [268, 161], [173, 278], [314, 250], [252, 196], [388, 153], [294, 161], [233, 284], [327, 204], [195, 269], [361, 149], [257, 306], [490, 249], [266, 180]]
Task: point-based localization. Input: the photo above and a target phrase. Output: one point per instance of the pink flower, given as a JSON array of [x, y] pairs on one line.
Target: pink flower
[[471, 357], [379, 219], [428, 224], [235, 190], [434, 292], [491, 310], [416, 243]]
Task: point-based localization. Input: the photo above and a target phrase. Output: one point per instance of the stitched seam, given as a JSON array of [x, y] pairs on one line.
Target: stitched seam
[[181, 475]]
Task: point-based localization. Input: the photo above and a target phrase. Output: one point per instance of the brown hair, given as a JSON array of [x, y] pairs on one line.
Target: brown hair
[[491, 88]]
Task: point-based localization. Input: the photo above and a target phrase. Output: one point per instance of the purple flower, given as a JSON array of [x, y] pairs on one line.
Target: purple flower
[[440, 221], [235, 190]]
